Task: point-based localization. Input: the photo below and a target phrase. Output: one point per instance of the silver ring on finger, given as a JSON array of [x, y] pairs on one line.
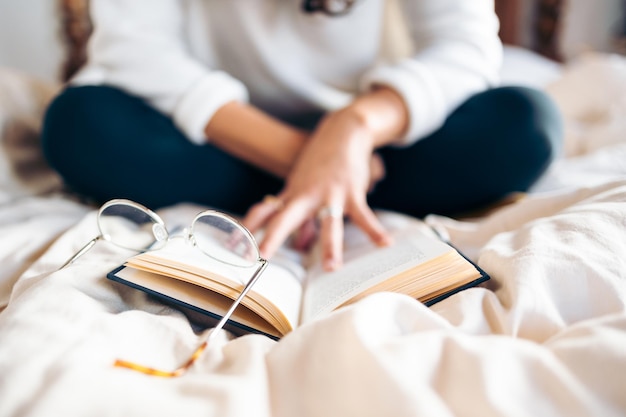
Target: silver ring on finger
[[332, 211]]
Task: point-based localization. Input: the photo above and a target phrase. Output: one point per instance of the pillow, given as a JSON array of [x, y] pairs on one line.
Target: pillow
[[521, 66], [591, 96], [23, 169]]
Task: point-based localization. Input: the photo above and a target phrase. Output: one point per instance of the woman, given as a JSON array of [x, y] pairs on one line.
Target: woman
[[225, 102]]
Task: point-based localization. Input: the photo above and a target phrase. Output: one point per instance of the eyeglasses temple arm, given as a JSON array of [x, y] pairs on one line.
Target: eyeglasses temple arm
[[81, 252], [235, 303]]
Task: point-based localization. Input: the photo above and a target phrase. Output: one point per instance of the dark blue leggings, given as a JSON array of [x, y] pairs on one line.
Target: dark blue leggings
[[107, 144]]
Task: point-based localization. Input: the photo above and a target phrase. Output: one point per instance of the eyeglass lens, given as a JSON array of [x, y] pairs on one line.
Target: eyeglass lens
[[220, 237], [131, 226]]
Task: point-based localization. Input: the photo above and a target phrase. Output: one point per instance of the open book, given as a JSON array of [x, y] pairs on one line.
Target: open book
[[295, 288]]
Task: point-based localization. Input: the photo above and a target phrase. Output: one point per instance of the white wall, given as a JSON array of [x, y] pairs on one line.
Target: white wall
[[590, 25], [29, 37]]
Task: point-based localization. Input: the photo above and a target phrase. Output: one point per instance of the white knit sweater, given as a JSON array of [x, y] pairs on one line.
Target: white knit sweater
[[189, 57]]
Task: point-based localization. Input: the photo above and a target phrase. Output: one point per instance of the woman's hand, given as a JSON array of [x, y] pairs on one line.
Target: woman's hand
[[331, 177], [306, 235]]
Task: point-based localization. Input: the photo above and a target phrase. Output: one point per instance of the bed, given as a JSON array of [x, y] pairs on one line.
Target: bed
[[545, 337]]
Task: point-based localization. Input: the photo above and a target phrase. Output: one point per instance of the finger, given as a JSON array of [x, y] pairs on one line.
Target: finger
[[331, 236], [305, 235], [282, 224], [258, 215], [377, 171], [364, 218]]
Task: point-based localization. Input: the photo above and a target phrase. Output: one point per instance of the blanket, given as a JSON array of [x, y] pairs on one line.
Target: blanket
[[545, 337]]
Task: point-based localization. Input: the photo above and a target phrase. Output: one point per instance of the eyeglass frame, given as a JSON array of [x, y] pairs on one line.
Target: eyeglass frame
[[262, 265]]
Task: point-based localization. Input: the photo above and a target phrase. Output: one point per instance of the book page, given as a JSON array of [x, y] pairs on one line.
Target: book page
[[276, 296], [196, 296], [366, 265]]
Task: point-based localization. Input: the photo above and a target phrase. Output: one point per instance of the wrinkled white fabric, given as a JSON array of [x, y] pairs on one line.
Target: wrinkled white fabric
[[545, 337]]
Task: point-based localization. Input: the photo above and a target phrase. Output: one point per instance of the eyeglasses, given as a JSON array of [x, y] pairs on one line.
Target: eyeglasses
[[130, 225], [329, 7]]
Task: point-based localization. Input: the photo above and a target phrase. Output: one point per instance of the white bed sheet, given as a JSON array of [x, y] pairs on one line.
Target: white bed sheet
[[547, 337]]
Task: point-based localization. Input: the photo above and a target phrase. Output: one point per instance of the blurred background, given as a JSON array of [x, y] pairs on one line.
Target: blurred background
[[31, 38]]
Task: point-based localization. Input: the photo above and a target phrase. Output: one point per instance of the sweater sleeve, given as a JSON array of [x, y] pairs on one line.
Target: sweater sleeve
[[139, 47], [457, 53]]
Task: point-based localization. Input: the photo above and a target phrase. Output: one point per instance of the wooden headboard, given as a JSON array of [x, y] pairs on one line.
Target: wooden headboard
[[75, 31], [508, 11], [544, 23], [541, 19]]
